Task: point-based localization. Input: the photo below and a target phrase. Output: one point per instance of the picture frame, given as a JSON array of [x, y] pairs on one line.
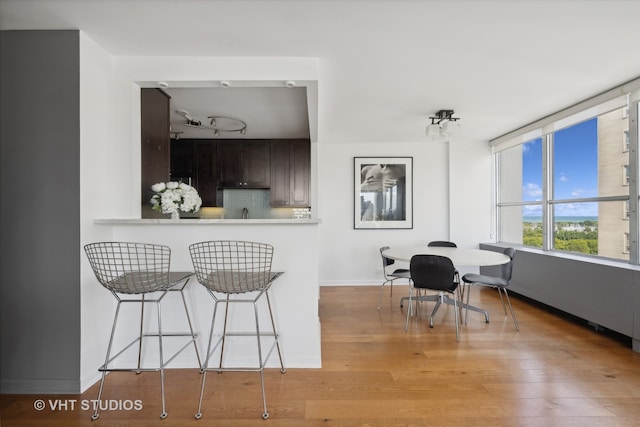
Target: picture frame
[[383, 192]]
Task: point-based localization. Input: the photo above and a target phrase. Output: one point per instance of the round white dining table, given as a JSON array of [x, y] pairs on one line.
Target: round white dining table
[[458, 256]]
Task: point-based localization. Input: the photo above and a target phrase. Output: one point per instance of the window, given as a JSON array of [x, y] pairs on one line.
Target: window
[[625, 141], [521, 216], [625, 175], [627, 243], [625, 213], [563, 190], [626, 247]]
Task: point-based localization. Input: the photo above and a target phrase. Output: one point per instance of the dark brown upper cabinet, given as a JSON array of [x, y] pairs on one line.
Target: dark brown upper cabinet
[[244, 163], [154, 150], [196, 161], [290, 173]]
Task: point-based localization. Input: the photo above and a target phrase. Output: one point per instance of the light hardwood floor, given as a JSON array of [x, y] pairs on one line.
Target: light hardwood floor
[[553, 372]]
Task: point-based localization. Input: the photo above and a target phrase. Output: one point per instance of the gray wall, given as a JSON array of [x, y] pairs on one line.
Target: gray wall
[[40, 212], [602, 294]]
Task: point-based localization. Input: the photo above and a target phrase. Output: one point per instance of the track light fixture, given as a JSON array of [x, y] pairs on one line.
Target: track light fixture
[[442, 124], [217, 123], [227, 124]]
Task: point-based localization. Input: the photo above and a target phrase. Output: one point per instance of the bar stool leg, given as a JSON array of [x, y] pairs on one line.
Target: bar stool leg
[[275, 333], [193, 334], [224, 330], [205, 363], [265, 414], [163, 415], [96, 415], [141, 331]]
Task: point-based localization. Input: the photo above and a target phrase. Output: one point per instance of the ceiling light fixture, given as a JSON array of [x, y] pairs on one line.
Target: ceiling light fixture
[[442, 124]]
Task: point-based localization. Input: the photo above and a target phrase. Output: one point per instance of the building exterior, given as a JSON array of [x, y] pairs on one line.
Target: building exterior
[[613, 180]]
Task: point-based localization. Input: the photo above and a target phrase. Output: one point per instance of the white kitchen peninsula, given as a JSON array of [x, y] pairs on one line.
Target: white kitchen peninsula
[[294, 295]]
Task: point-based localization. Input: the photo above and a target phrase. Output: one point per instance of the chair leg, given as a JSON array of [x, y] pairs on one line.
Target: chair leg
[[435, 309], [409, 308], [382, 291], [466, 310], [205, 363], [265, 414], [141, 331], [193, 334], [106, 361], [504, 307], [460, 291], [513, 313], [275, 334], [224, 330], [455, 304], [163, 415]]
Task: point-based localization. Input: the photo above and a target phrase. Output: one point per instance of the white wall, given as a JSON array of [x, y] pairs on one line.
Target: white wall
[[470, 192], [451, 202], [98, 169]]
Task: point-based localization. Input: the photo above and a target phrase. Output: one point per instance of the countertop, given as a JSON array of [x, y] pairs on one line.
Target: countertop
[[197, 221]]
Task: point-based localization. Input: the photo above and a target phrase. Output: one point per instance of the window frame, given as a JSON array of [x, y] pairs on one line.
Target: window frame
[[546, 130]]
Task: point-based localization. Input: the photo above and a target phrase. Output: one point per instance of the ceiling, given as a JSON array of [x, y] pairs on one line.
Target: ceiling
[[269, 112], [384, 65]]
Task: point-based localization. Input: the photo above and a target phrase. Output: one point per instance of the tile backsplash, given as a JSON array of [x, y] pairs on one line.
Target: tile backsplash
[[256, 202]]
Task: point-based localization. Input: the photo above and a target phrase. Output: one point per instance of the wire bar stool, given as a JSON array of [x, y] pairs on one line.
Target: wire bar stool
[[236, 272], [139, 273]]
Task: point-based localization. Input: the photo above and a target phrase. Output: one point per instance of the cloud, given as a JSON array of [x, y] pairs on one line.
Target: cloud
[[532, 190], [576, 209], [532, 210]]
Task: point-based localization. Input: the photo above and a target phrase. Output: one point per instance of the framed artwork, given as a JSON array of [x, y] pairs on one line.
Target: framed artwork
[[383, 192]]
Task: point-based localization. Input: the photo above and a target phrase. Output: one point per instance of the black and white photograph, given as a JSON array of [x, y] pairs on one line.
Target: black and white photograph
[[383, 192]]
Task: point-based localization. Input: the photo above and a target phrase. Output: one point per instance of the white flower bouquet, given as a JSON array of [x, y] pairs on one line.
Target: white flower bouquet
[[172, 197]]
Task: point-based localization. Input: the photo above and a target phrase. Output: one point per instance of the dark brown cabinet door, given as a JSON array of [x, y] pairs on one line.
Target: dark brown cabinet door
[[243, 163], [206, 173], [280, 170], [154, 150], [230, 164], [290, 173], [181, 159], [196, 161], [300, 175], [257, 172]]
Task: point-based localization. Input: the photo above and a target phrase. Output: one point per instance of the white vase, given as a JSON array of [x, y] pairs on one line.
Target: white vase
[[175, 215]]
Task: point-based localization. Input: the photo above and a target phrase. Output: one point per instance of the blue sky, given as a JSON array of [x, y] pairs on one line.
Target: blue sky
[[575, 169]]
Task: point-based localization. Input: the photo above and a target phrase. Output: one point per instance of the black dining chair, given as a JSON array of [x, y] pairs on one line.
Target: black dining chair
[[448, 244], [436, 273], [445, 244], [498, 282]]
